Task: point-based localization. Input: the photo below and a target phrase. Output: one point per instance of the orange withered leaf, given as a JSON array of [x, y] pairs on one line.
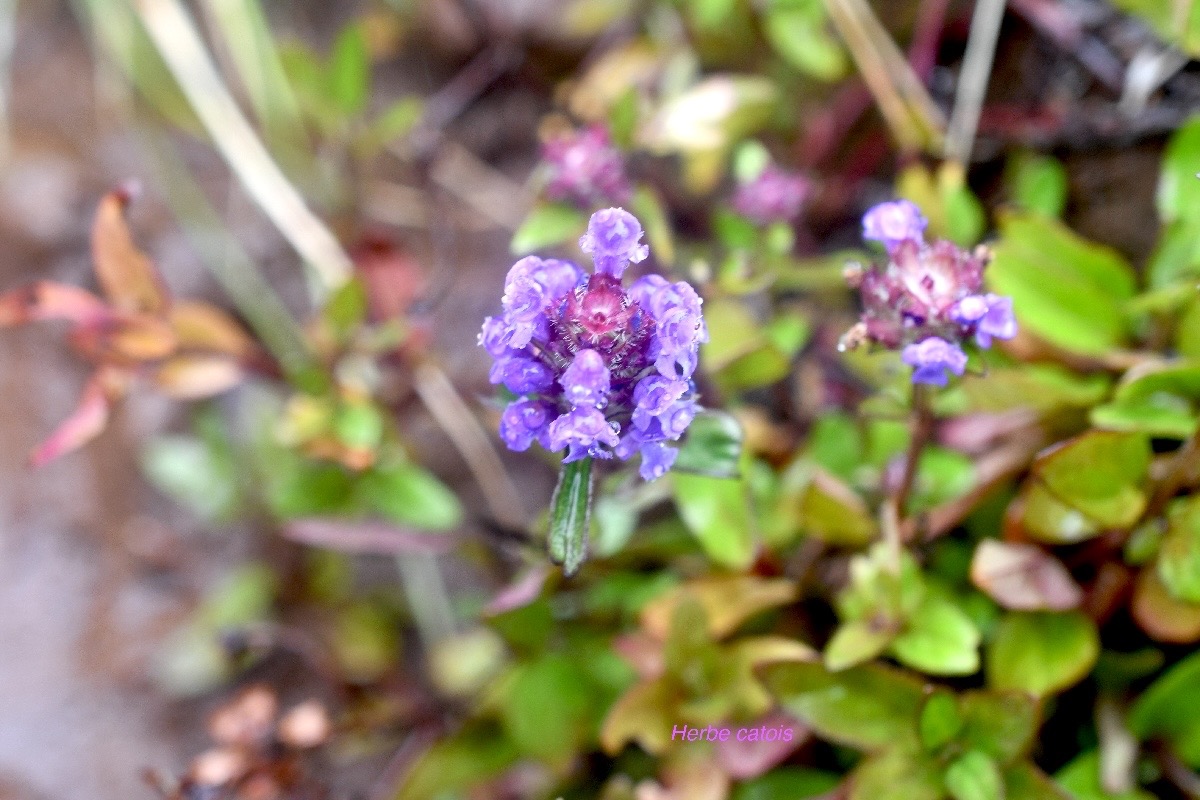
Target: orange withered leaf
[[127, 276]]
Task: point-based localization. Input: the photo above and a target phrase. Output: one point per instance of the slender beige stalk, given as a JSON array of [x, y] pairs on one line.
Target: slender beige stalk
[[451, 412], [175, 37], [910, 112], [973, 79]]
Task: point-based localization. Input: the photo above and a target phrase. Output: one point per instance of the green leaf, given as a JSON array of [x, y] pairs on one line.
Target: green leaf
[[1037, 183], [1100, 473], [1023, 781], [365, 641], [717, 513], [347, 308], [350, 70], [833, 512], [1041, 652], [1000, 724], [1082, 779], [548, 224], [1068, 291], [870, 707], [974, 776], [570, 508], [547, 706], [749, 161], [195, 474], [896, 774], [1178, 195], [940, 720], [939, 639], [712, 447], [1158, 400], [397, 120], [454, 764], [1046, 519], [1179, 556], [798, 33], [787, 783], [406, 494], [1165, 18], [1168, 710], [854, 643]]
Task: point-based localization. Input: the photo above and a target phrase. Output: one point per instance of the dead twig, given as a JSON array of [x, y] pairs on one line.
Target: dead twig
[[973, 80]]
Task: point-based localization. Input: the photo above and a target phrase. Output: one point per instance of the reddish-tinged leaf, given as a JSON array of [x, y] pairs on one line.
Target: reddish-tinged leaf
[[366, 537], [194, 377], [392, 278], [128, 278], [1023, 577], [201, 326], [521, 592], [742, 760], [727, 601], [46, 300], [1161, 616], [86, 421], [643, 652]]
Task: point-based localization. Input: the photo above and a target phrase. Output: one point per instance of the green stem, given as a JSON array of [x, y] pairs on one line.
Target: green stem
[[570, 511]]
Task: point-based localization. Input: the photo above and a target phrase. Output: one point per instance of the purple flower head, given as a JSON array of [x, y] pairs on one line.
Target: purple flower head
[[612, 239], [603, 370], [893, 223], [584, 169], [776, 195], [932, 359], [927, 298]]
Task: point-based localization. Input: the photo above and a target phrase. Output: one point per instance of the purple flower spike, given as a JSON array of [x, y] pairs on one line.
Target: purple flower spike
[[612, 239], [583, 168], [928, 301], [893, 223], [932, 359], [604, 370], [586, 382], [776, 195], [998, 322]]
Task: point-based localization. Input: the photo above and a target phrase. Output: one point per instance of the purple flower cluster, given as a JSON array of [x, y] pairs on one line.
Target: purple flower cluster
[[600, 370], [776, 195], [928, 300], [585, 169]]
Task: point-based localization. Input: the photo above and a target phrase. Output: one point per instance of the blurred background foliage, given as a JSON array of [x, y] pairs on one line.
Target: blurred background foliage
[[1035, 637]]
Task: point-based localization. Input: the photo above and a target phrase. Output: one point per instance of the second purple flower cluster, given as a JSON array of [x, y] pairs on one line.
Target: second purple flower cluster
[[929, 298], [600, 370]]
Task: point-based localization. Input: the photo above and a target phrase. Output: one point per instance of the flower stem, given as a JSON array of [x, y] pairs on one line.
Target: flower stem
[[570, 512], [893, 510]]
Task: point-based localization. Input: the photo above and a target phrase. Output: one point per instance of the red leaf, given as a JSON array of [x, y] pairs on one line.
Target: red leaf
[[521, 592], [1023, 577], [742, 760], [365, 537], [86, 421], [46, 300]]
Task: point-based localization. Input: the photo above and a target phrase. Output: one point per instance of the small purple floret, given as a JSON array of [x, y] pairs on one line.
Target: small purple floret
[[584, 169], [586, 382], [998, 322], [603, 370], [893, 223], [613, 241], [932, 359], [776, 195]]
